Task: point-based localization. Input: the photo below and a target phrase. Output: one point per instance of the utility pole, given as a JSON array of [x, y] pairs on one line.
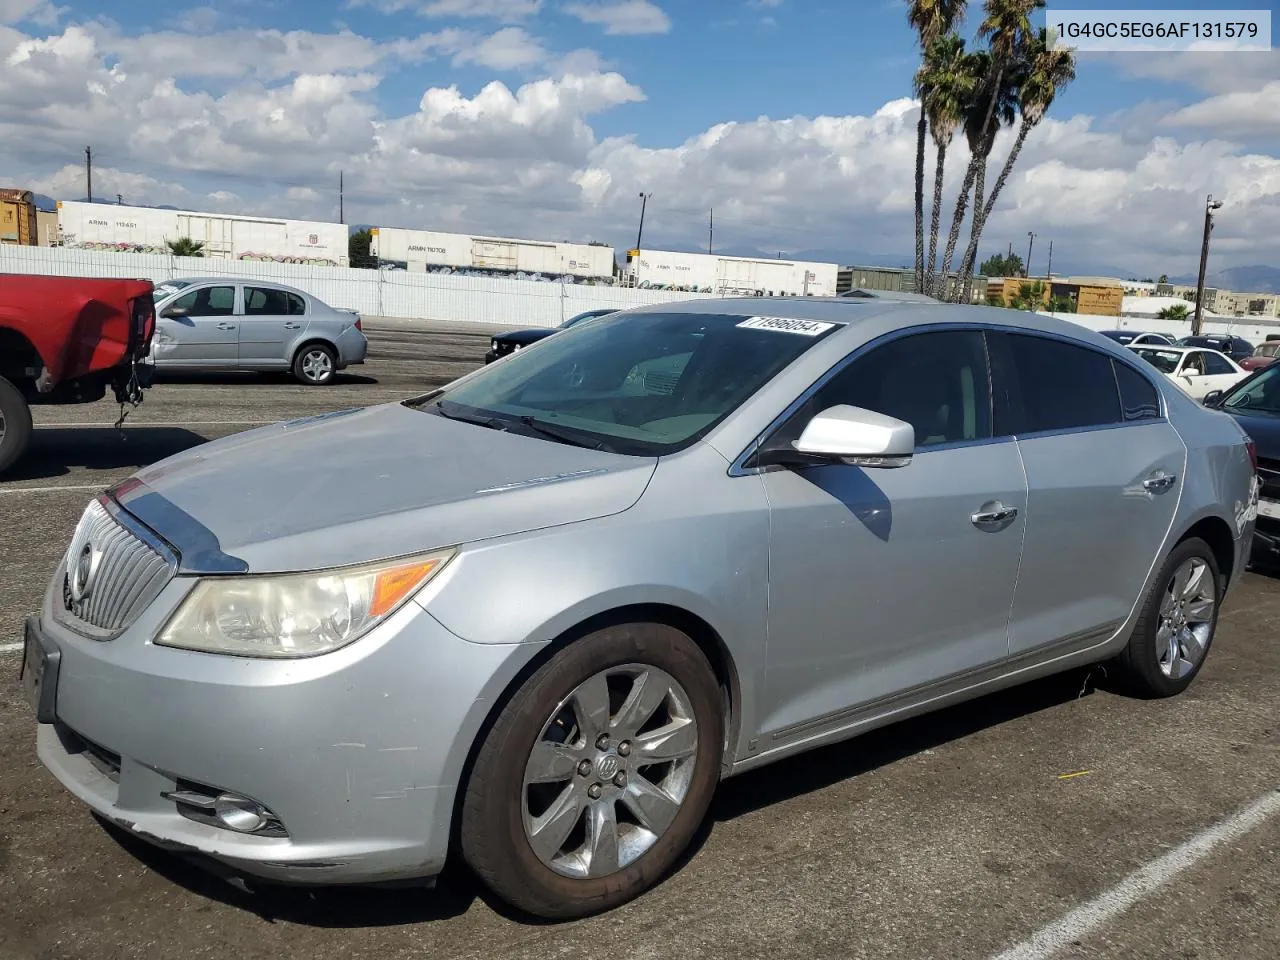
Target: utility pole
[[644, 201], [711, 231], [1049, 272], [119, 200], [1210, 205], [1026, 267], [341, 213], [88, 173]]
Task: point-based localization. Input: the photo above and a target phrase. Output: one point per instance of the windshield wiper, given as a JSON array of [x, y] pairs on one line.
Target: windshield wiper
[[565, 436], [494, 423]]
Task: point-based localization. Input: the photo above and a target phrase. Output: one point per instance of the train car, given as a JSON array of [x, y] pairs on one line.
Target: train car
[[728, 276], [101, 226], [434, 252]]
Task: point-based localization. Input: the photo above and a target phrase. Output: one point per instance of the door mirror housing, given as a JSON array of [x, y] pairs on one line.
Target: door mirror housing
[[849, 435], [175, 313], [1214, 398]]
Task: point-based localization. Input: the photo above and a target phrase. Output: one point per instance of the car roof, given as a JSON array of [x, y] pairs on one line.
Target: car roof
[[249, 281], [864, 294]]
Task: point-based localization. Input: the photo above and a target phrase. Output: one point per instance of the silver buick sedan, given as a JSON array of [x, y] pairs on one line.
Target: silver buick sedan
[[538, 614], [226, 323]]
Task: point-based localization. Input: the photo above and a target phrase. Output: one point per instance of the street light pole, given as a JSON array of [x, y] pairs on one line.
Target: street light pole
[[644, 200], [1210, 205], [1026, 269]]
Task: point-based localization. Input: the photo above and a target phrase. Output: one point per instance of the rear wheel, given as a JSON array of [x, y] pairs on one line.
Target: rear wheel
[[15, 424], [315, 364], [597, 774], [1176, 627]]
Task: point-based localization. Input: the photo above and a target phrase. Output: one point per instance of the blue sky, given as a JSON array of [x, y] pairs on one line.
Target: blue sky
[[196, 106]]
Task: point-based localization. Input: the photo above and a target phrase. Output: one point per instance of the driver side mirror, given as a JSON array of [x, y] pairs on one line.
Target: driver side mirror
[[849, 435], [175, 313], [1214, 398]]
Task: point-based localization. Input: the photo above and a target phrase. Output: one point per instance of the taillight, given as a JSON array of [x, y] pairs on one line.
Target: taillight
[[358, 327], [1253, 454]]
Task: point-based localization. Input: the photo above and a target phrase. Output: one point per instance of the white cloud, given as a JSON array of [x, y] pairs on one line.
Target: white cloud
[[504, 10], [524, 159], [41, 12], [621, 16], [1211, 72], [197, 20], [1245, 114], [508, 49]]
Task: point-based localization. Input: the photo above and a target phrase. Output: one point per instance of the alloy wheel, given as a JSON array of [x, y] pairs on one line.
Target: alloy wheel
[[609, 771], [1186, 618], [316, 366]]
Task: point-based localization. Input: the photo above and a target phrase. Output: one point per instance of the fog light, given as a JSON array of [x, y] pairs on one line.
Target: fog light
[[239, 814]]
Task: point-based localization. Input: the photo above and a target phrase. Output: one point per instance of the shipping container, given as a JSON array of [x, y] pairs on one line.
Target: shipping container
[[434, 252], [102, 226], [18, 217], [728, 276]]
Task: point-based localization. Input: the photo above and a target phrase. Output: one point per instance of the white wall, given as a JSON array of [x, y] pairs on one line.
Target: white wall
[[1253, 329], [380, 293]]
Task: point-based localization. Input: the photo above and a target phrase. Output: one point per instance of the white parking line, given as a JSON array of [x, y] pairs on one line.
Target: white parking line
[[10, 647], [1109, 904], [157, 423], [86, 486]]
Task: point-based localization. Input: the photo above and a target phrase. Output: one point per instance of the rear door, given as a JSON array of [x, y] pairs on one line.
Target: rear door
[[199, 328], [1104, 474], [272, 318]]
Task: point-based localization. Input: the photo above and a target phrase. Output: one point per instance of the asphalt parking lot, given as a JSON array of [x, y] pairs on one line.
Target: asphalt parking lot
[[1061, 810]]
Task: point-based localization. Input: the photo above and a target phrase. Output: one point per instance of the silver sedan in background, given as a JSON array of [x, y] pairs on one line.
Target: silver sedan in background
[[226, 323]]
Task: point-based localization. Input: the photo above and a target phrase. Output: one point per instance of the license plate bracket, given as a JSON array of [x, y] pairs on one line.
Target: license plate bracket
[[39, 672]]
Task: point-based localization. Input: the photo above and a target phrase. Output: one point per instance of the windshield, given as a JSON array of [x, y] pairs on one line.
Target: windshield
[[644, 384], [1260, 395], [589, 315], [1166, 361], [166, 287]]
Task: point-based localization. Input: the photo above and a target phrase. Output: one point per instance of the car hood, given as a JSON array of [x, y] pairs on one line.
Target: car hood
[[359, 485]]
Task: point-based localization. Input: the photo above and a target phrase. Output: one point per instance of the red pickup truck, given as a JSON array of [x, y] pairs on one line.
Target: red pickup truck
[[66, 340]]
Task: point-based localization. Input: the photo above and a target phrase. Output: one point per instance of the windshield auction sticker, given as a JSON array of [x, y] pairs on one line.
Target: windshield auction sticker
[[1100, 31], [806, 328]]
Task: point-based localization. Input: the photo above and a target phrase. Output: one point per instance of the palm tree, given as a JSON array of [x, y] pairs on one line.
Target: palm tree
[[1006, 28], [186, 247], [1178, 311], [931, 19], [945, 84], [1043, 74]]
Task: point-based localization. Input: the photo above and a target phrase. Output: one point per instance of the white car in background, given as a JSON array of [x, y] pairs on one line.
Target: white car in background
[[1195, 370]]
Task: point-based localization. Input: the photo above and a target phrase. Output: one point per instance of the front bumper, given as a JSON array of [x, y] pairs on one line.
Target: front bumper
[[359, 753]]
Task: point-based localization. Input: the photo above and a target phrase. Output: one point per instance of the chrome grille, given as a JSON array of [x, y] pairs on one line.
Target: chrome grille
[[108, 576]]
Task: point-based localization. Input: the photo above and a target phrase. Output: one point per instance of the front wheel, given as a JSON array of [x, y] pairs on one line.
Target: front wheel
[[597, 773], [1177, 623], [15, 424], [315, 365]]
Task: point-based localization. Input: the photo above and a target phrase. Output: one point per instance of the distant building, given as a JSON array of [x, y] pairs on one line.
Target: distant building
[[1097, 296], [897, 280]]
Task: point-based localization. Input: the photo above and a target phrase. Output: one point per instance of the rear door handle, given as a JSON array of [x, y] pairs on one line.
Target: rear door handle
[[226, 326], [293, 326], [993, 513], [1160, 482]]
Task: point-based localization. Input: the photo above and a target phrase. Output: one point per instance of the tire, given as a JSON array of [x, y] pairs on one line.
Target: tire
[[1148, 666], [559, 883], [315, 364], [15, 425]]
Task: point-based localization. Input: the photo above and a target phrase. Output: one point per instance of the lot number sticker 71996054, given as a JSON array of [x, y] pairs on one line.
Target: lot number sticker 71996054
[[806, 328]]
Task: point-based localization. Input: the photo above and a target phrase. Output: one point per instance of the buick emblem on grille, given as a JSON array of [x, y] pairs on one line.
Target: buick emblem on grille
[[80, 574]]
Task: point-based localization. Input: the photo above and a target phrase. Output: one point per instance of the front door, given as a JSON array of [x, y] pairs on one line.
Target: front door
[[1104, 474], [198, 329], [882, 580], [272, 319]]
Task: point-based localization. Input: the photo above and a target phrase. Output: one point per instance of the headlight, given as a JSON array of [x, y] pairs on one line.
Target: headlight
[[493, 345], [295, 615]]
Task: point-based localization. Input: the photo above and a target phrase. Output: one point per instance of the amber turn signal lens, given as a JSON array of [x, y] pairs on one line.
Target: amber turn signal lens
[[393, 585]]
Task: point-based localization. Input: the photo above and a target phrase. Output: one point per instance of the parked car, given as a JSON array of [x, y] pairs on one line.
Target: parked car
[[513, 340], [696, 580], [1237, 348], [1263, 355], [1195, 371], [1255, 404], [67, 340], [224, 323], [1136, 338]]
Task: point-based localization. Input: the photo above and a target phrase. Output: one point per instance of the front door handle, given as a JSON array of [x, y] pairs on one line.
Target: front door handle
[[993, 513], [293, 326], [226, 326], [1160, 482]]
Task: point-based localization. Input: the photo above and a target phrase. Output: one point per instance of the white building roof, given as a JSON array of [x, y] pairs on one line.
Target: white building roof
[[1139, 306]]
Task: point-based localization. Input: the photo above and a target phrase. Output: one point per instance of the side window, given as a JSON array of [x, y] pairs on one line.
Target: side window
[[182, 306], [1138, 398], [263, 301], [1215, 364], [937, 382], [297, 306], [1060, 386], [214, 302], [1193, 364]]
